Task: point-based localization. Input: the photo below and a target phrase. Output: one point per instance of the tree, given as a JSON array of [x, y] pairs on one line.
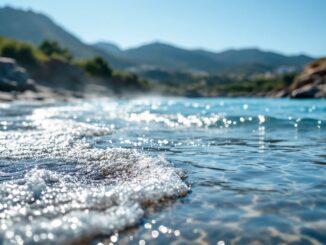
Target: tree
[[53, 49], [22, 52], [97, 67]]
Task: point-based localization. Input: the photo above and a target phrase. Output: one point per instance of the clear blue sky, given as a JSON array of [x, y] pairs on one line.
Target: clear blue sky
[[288, 26]]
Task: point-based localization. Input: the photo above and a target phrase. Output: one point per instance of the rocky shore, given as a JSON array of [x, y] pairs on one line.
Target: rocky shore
[[53, 79], [16, 84], [311, 83], [60, 80]]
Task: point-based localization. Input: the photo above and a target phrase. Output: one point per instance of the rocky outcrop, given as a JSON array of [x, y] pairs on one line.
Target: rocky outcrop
[[13, 77], [311, 83], [60, 74], [51, 79], [55, 80]]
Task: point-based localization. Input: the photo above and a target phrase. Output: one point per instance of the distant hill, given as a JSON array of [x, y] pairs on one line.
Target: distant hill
[[35, 28], [244, 61], [256, 56], [109, 47], [170, 57]]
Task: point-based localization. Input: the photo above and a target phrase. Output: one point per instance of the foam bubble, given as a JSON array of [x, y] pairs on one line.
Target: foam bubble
[[74, 191]]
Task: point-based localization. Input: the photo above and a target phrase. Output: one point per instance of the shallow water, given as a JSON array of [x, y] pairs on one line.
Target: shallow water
[[158, 171]]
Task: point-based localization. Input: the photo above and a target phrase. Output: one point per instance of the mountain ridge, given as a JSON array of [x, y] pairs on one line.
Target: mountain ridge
[[27, 25], [33, 27], [169, 56]]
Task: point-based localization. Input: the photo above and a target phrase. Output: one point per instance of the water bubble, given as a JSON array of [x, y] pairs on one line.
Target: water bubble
[[177, 233], [163, 229], [148, 226], [155, 233], [50, 236], [29, 233], [9, 234], [114, 238], [142, 242], [261, 119]]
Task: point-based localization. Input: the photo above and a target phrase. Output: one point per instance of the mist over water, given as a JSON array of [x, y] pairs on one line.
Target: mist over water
[[174, 170]]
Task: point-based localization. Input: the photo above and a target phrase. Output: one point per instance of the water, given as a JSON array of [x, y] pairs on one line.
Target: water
[[159, 171]]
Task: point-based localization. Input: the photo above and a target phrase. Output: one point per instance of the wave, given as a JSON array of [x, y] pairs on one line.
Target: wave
[[105, 190]]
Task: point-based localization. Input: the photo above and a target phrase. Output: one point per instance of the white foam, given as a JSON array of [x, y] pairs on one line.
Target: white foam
[[105, 190]]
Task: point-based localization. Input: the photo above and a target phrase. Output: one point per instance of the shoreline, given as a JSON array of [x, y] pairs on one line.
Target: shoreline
[[48, 94]]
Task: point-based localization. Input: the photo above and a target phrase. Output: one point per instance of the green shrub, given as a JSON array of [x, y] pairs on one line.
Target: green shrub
[[53, 49], [97, 67], [24, 53]]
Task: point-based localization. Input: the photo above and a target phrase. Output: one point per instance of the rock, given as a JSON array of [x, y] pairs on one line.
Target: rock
[[6, 97], [13, 77], [280, 94], [307, 91], [57, 73], [322, 91], [311, 83]]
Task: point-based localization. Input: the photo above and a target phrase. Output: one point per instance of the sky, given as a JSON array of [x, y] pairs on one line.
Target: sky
[[287, 26]]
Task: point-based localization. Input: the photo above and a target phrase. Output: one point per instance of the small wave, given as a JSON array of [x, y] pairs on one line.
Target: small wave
[[107, 189]]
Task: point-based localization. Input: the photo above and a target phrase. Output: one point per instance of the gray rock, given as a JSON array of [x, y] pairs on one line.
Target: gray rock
[[308, 91], [13, 77], [311, 83], [6, 65], [322, 91]]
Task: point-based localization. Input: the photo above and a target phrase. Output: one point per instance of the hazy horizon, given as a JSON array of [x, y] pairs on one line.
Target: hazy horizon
[[211, 26]]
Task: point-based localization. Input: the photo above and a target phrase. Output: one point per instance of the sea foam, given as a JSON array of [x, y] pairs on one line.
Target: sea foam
[[66, 190]]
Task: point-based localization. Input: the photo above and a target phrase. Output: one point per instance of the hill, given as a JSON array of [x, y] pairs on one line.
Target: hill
[[255, 56], [155, 61], [173, 58], [50, 71], [109, 47], [35, 27], [243, 61]]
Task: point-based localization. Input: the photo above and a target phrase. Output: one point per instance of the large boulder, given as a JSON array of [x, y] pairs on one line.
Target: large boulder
[[13, 77], [311, 83], [60, 74]]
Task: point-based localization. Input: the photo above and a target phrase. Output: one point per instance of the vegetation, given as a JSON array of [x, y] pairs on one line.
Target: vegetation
[[97, 67], [175, 83], [257, 85], [130, 80], [23, 52], [53, 49], [225, 86]]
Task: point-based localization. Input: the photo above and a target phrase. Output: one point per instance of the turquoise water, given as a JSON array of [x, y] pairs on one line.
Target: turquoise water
[[160, 171]]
